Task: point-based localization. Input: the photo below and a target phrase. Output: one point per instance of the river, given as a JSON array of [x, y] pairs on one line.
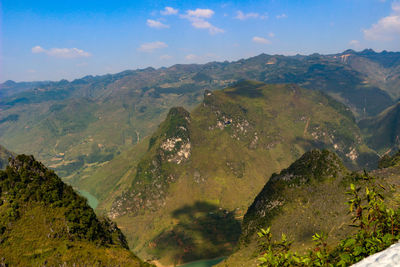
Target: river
[[92, 200], [203, 263]]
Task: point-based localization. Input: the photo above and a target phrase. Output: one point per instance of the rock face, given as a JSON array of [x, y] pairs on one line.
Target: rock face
[[169, 145], [390, 257]]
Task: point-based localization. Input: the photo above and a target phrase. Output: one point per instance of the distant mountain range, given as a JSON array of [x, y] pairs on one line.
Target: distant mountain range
[[75, 126], [10, 88]]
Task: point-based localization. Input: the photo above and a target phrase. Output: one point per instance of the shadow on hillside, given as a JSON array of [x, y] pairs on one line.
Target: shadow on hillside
[[365, 160], [200, 231], [246, 89]]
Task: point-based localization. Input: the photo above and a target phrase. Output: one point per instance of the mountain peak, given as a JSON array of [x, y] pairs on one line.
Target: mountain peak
[[311, 168], [349, 51], [179, 111], [169, 145], [312, 165], [9, 83], [368, 51], [25, 163]]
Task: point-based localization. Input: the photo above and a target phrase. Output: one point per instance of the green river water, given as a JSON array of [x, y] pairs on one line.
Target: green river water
[[92, 200], [203, 263]]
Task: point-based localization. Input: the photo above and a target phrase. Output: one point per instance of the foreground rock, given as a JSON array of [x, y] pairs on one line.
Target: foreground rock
[[390, 257]]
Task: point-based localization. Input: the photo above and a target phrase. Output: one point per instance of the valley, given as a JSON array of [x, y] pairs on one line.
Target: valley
[[199, 134], [176, 156]]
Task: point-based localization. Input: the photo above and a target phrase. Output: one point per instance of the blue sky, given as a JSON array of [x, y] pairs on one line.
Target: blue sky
[[52, 40]]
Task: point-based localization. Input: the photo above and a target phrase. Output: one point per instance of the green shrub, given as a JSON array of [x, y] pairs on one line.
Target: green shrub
[[28, 181], [378, 227]]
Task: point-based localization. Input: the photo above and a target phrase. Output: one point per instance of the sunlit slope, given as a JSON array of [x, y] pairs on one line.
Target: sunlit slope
[[306, 198], [44, 222]]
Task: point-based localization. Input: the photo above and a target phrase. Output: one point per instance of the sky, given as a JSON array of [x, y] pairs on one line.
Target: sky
[[54, 40]]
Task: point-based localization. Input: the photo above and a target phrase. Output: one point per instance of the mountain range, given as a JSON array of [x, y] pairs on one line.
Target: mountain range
[[191, 160], [75, 126]]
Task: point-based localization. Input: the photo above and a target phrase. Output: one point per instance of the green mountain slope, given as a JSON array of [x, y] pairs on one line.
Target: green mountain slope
[[111, 178], [389, 161], [44, 222], [306, 198], [207, 166], [9, 88], [310, 170], [4, 156], [73, 127], [382, 131]]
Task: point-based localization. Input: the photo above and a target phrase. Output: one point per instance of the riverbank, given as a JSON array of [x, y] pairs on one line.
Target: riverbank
[[92, 200], [200, 263]]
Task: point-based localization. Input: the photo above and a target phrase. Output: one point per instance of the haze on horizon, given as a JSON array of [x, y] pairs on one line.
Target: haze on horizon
[[51, 40]]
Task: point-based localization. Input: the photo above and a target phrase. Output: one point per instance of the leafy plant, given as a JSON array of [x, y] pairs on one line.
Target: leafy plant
[[388, 161], [378, 228]]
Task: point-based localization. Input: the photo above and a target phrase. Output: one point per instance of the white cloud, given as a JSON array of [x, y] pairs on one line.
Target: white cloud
[[156, 24], [192, 57], [61, 52], [166, 57], [242, 16], [355, 44], [201, 24], [169, 11], [197, 18], [150, 47], [202, 58], [281, 16], [271, 34], [38, 49], [200, 13], [260, 40], [396, 7], [387, 28], [67, 52]]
